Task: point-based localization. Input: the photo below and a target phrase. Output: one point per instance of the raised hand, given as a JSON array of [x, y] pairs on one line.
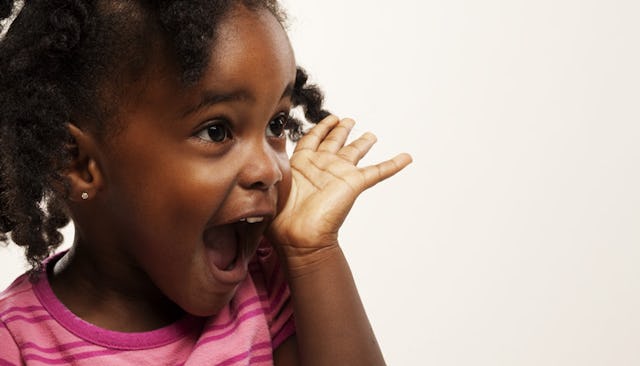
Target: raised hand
[[325, 183]]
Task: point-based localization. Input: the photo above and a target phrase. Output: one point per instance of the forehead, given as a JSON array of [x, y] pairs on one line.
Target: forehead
[[251, 55], [250, 43]]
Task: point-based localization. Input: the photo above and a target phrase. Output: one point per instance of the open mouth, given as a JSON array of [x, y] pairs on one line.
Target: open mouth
[[229, 247]]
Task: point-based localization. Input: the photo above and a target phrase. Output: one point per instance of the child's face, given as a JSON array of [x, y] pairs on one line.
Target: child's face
[[189, 167]]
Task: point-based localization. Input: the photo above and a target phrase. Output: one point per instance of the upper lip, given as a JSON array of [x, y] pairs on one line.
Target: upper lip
[[267, 215], [268, 212]]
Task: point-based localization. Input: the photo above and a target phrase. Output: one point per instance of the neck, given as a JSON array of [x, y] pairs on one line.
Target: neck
[[110, 293]]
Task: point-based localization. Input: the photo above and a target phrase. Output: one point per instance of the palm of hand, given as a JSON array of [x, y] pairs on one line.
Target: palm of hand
[[325, 183]]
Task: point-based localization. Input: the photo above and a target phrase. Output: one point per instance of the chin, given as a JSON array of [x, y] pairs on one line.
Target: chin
[[207, 306]]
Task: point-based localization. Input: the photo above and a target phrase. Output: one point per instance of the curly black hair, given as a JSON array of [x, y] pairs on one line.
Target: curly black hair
[[58, 63]]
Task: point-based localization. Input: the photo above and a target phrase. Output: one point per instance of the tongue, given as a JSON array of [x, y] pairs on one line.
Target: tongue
[[222, 246]]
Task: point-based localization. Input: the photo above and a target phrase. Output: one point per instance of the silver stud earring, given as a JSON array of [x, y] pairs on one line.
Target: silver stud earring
[[84, 195]]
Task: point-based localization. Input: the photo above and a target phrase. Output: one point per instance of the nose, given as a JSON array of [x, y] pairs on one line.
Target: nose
[[261, 169]]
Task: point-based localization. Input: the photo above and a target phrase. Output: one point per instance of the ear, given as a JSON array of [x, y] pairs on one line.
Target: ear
[[84, 175]]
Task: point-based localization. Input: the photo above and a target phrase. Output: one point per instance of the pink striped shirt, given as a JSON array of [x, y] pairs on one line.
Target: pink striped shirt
[[37, 329]]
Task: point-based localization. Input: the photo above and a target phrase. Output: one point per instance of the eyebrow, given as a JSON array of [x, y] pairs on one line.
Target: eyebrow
[[210, 98]]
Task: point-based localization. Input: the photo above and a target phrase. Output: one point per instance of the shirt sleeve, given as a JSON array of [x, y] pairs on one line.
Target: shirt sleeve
[[9, 351], [280, 310]]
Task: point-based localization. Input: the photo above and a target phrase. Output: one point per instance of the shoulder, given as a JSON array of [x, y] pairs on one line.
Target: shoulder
[[22, 303], [24, 319], [17, 302], [20, 292], [9, 352]]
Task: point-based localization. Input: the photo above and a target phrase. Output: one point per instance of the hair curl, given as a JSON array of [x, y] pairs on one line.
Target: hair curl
[[60, 54]]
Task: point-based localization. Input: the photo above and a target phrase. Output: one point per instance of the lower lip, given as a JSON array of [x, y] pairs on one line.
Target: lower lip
[[232, 277]]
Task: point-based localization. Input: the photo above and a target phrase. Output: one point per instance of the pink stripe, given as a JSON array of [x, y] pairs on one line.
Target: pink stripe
[[284, 333], [244, 355], [235, 312], [4, 362], [14, 294], [263, 358], [69, 359], [56, 349], [245, 317], [22, 309], [250, 301], [33, 320]]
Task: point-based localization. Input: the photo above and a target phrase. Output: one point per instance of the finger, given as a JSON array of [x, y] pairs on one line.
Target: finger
[[336, 139], [357, 149], [375, 174], [312, 139]]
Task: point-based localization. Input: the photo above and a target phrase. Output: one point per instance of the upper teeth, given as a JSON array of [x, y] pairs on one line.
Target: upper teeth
[[253, 220]]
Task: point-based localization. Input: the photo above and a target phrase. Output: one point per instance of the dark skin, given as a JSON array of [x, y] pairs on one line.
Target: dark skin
[[165, 192]]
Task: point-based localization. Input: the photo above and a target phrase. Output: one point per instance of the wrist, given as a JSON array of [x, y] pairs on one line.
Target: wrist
[[301, 262]]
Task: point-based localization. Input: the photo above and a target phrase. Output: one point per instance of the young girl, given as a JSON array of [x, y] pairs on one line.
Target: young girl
[[159, 128]]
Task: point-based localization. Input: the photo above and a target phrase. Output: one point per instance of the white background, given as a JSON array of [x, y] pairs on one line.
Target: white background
[[514, 238]]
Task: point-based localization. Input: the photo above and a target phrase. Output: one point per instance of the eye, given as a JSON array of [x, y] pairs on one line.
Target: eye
[[217, 132], [278, 125]]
